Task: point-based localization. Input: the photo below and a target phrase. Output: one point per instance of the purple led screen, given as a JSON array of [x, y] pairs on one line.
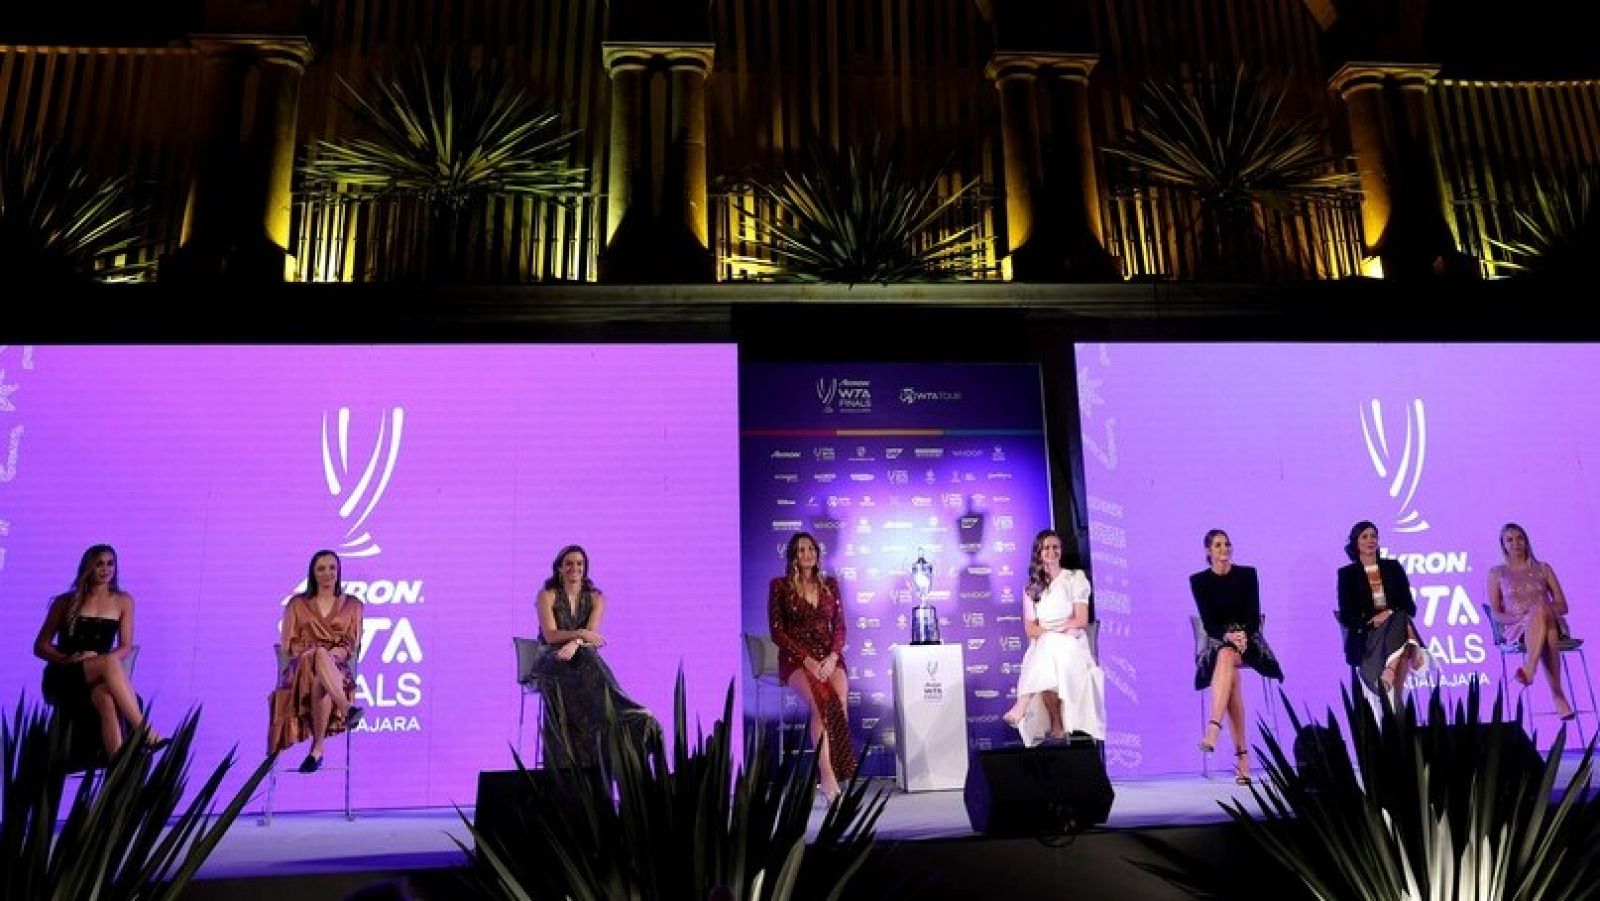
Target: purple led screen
[[884, 463], [448, 477], [1286, 447]]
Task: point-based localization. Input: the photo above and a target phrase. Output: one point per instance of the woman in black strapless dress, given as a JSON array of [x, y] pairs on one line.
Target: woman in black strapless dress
[[85, 636]]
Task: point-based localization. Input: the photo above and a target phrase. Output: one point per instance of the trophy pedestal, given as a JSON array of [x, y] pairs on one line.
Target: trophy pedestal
[[930, 717]]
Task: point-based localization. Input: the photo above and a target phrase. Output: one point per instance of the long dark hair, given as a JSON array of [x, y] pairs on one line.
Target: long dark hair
[[82, 582], [1350, 549], [1037, 583], [554, 582], [311, 575]]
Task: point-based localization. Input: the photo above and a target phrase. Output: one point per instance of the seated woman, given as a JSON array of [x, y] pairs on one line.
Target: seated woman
[[806, 617], [1060, 689], [580, 689], [1375, 604], [85, 636], [322, 638], [1228, 598], [1526, 597]]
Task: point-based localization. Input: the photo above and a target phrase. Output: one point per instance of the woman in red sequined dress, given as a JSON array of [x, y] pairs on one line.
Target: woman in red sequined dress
[[807, 621]]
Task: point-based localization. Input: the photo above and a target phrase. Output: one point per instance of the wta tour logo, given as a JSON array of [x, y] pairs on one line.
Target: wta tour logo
[[356, 483], [1396, 463]]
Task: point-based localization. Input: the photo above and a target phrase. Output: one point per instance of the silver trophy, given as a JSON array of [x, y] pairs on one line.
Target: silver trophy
[[924, 618]]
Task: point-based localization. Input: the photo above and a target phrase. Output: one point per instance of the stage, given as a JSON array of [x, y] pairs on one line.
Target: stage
[[926, 834]]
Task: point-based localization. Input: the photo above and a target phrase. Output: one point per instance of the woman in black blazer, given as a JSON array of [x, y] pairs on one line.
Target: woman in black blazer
[[1228, 598], [1376, 606]]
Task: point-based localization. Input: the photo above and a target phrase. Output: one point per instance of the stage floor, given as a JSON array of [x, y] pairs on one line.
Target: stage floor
[[389, 840], [393, 854]]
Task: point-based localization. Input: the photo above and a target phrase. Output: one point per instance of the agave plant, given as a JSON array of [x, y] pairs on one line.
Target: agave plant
[[650, 824], [449, 138], [1559, 233], [124, 836], [1457, 808], [60, 224], [857, 217], [1229, 143]]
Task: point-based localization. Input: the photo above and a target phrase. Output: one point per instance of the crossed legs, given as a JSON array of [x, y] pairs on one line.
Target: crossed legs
[[1227, 698], [327, 695], [113, 698], [1541, 636], [1408, 659]]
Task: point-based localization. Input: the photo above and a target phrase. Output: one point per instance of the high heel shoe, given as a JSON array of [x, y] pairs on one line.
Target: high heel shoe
[[1241, 773], [1522, 677], [1206, 747]]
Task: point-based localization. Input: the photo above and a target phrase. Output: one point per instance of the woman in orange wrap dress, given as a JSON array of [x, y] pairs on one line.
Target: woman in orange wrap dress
[[322, 637]]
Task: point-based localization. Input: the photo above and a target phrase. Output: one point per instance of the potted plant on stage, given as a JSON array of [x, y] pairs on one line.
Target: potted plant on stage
[[680, 822], [126, 836]]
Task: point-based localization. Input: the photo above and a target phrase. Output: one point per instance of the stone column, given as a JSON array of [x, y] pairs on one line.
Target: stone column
[[626, 162], [687, 68], [656, 224], [236, 214], [1405, 220], [1015, 76], [1052, 189]]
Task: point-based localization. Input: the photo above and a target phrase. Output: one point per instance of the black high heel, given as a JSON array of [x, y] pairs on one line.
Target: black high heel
[[1240, 777], [1205, 746]]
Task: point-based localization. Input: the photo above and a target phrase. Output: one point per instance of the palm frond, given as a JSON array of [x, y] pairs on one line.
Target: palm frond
[[448, 135], [1559, 232], [1229, 142], [858, 218], [60, 224], [124, 836]]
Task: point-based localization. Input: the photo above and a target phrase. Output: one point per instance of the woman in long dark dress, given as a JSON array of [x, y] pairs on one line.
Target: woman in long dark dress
[[807, 622], [85, 636], [1376, 606], [1228, 598], [581, 692]]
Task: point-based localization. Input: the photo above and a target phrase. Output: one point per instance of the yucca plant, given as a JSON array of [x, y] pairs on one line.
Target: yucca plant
[[690, 823], [124, 836], [858, 217], [449, 138], [60, 224], [1229, 143], [1448, 809], [1558, 234]]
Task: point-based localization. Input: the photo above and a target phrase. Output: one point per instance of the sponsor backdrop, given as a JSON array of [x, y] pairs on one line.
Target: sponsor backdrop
[[448, 477], [883, 464], [1287, 446]]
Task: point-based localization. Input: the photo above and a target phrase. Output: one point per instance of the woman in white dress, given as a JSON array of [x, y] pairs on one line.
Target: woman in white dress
[[1061, 689]]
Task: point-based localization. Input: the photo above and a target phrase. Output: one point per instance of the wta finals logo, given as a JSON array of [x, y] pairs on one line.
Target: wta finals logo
[[1398, 465], [360, 485]]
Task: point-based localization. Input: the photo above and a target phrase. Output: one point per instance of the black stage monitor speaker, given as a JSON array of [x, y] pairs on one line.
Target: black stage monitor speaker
[[1038, 791]]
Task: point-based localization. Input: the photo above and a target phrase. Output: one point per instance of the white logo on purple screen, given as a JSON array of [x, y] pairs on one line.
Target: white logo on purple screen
[[359, 483], [1400, 464]]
